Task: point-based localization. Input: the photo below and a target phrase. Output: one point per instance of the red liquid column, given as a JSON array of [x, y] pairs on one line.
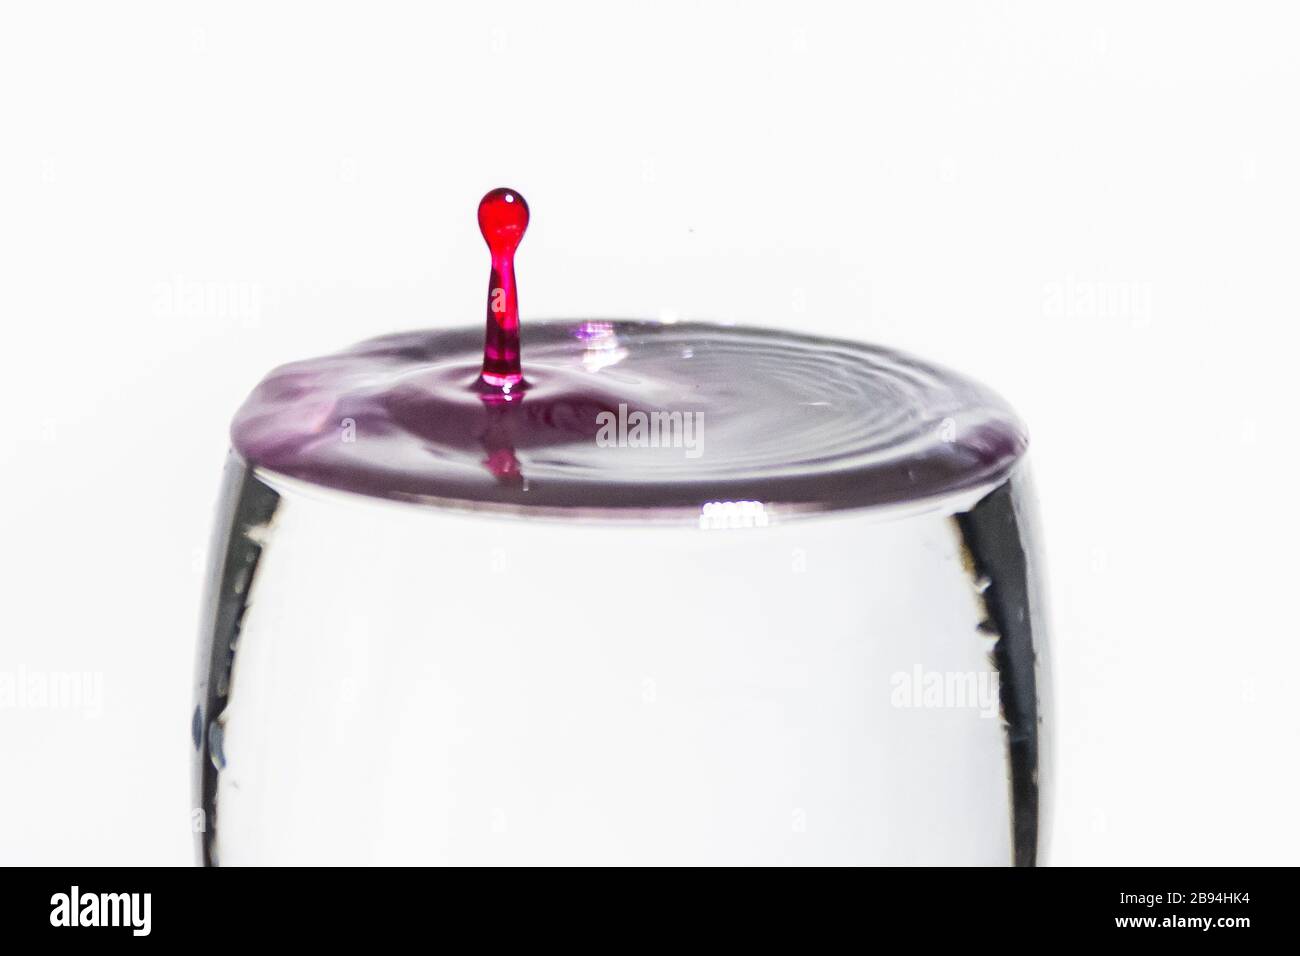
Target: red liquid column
[[503, 218]]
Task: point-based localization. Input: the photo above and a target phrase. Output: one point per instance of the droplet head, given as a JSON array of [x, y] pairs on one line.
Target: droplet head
[[502, 218]]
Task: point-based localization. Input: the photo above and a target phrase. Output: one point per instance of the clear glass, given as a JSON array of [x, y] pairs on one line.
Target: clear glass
[[387, 682]]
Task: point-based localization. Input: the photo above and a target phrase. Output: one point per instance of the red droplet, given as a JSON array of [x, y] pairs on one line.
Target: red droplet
[[503, 218]]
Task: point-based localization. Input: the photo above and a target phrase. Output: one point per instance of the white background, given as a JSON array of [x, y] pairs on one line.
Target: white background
[[1093, 207]]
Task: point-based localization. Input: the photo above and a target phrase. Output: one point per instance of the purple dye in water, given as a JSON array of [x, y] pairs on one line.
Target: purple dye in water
[[623, 416]]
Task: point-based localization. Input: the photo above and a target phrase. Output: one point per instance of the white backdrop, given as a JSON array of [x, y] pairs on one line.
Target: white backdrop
[[1093, 207]]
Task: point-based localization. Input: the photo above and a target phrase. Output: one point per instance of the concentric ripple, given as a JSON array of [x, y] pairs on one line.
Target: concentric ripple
[[730, 414]]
